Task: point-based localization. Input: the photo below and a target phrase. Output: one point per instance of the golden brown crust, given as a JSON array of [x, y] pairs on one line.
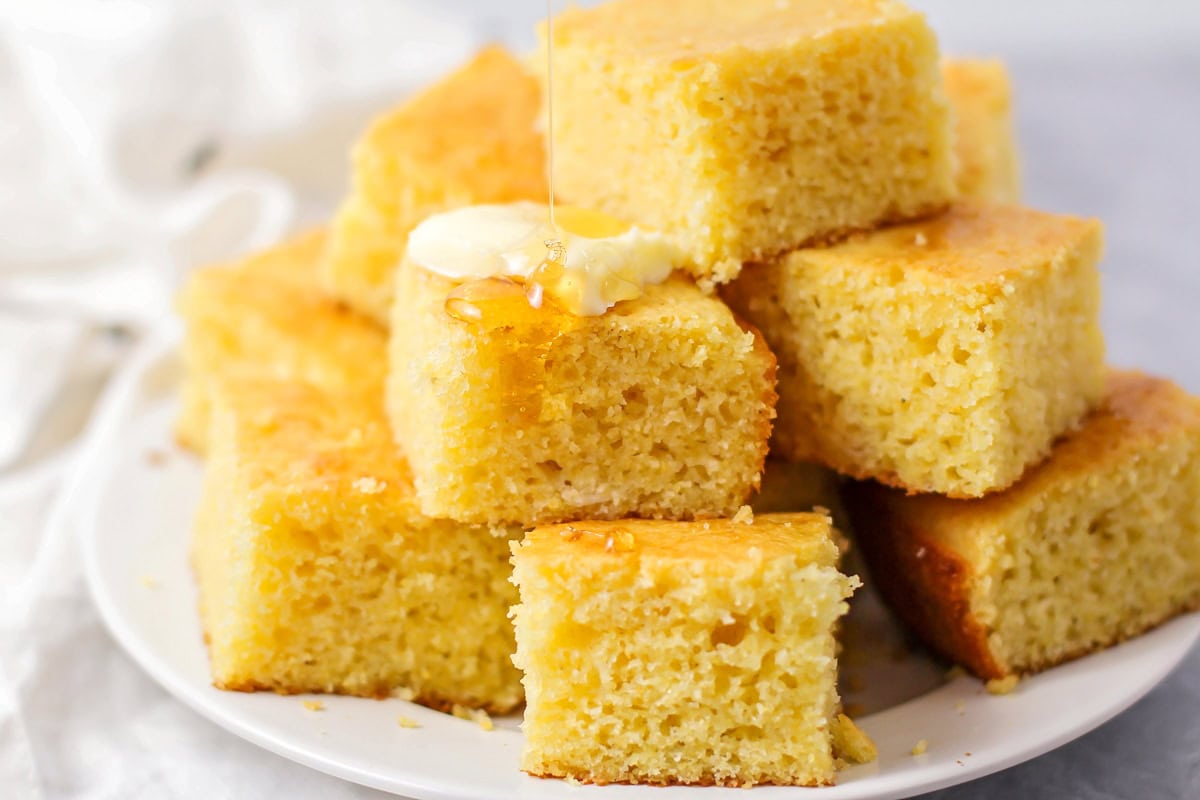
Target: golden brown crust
[[707, 780], [925, 584], [443, 703]]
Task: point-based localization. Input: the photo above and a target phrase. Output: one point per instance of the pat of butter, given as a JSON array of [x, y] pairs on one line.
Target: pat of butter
[[603, 261]]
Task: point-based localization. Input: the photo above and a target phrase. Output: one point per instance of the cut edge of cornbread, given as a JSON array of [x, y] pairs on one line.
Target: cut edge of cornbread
[[661, 407], [944, 355], [316, 571], [696, 78], [733, 608], [1119, 498]]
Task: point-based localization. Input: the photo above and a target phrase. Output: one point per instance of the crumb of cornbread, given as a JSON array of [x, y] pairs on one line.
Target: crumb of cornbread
[[703, 653], [1003, 685], [745, 129], [920, 747], [266, 315], [408, 722], [946, 367], [467, 139], [314, 705], [311, 582], [660, 407], [851, 743], [476, 715], [1095, 545], [980, 94]]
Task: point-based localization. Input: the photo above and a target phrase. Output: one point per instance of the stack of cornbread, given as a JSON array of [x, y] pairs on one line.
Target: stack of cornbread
[[398, 456]]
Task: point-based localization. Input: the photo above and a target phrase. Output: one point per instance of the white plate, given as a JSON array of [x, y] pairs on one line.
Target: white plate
[[135, 543]]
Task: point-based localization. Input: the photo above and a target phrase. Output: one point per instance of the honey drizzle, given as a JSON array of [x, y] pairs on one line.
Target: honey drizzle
[[519, 338], [520, 318], [550, 111]]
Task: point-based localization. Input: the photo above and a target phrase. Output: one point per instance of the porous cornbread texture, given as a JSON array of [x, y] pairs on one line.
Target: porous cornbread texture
[[267, 317], [317, 571], [745, 128], [673, 652], [660, 407], [939, 356], [468, 139], [1097, 544], [980, 94]]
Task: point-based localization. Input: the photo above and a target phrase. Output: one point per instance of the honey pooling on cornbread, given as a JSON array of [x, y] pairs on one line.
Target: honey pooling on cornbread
[[669, 652], [939, 356], [1095, 545], [523, 333], [624, 392]]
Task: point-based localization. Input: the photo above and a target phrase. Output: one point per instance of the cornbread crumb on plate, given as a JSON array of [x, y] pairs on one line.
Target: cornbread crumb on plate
[[980, 94], [660, 407], [408, 722], [920, 747], [746, 129], [476, 715], [1003, 685], [314, 705], [1099, 543], [680, 653], [309, 583], [266, 316], [948, 366], [851, 743], [465, 140]]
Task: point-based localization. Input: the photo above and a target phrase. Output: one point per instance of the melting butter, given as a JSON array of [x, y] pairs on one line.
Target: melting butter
[[587, 263]]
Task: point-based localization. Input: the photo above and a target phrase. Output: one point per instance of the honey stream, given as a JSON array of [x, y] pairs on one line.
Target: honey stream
[[519, 318]]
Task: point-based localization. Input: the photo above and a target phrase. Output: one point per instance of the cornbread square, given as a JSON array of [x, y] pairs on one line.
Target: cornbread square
[[980, 94], [940, 356], [468, 139], [1095, 545], [680, 653], [317, 571], [267, 317], [746, 128], [660, 407]]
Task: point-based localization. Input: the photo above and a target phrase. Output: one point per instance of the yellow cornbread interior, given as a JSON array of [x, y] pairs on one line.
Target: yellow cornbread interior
[[1095, 545], [266, 317], [940, 356], [674, 652], [980, 94], [660, 407], [317, 571], [369, 232], [746, 129], [468, 139]]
